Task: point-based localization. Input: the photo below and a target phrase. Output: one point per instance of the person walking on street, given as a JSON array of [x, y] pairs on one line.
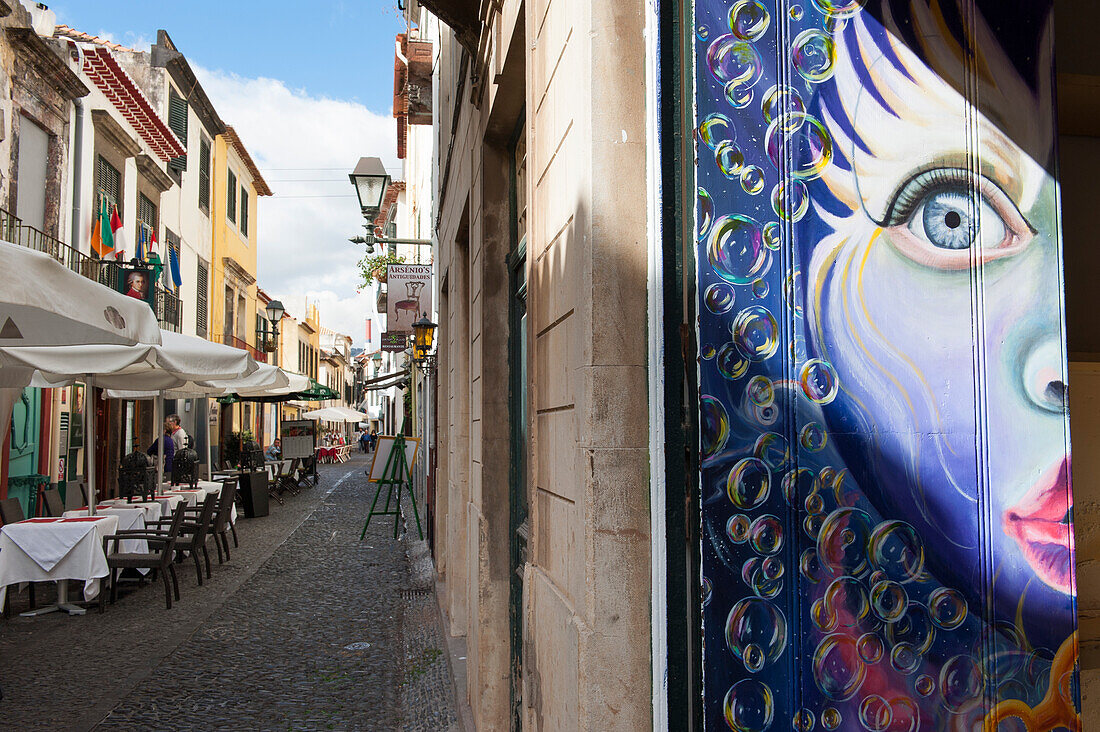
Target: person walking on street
[[364, 441]]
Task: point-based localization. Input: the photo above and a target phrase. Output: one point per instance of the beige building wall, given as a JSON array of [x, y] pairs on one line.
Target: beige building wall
[[574, 73]]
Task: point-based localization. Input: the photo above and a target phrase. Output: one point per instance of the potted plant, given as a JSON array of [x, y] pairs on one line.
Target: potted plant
[[373, 266]]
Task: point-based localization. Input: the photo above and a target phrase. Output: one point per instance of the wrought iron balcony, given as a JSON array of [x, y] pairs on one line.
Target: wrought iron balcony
[[169, 308], [232, 340]]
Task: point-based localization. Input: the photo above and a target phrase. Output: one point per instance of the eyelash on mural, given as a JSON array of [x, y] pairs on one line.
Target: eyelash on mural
[[914, 191]]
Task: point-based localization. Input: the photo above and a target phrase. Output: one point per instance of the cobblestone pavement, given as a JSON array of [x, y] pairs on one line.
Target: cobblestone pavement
[[307, 628]]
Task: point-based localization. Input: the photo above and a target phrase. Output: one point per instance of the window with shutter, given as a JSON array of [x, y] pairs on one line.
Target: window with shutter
[[204, 175], [177, 121], [201, 293], [108, 186], [147, 218], [244, 212], [231, 198]]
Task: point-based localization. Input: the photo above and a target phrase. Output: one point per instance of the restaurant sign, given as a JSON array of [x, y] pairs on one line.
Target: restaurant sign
[[394, 342]]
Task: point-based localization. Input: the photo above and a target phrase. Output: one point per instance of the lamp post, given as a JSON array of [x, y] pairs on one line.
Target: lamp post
[[275, 311], [371, 181]]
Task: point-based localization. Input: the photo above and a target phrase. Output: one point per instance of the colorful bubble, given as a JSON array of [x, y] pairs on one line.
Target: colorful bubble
[[760, 391], [960, 683], [906, 715], [737, 528], [896, 549], [830, 716], [756, 622], [707, 590], [839, 8], [796, 14], [730, 362], [815, 504], [738, 94], [755, 333], [702, 33], [803, 720], [904, 659], [748, 483], [772, 235], [889, 601], [714, 129], [798, 483], [772, 568], [846, 598], [838, 670], [947, 607], [752, 179], [924, 685], [719, 298], [772, 449], [759, 289], [870, 648], [749, 706], [792, 290], [707, 352], [732, 59], [874, 713], [706, 212], [819, 381], [729, 159], [914, 628], [766, 534], [809, 566], [781, 104], [802, 143], [714, 426], [813, 437], [823, 617], [813, 55], [812, 526], [749, 19], [790, 200], [754, 658], [736, 249]]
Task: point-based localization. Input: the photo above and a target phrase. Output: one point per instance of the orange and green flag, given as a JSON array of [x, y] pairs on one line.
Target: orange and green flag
[[106, 233], [97, 241]]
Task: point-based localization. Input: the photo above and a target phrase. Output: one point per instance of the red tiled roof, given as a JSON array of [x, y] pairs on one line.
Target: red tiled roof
[[64, 31], [102, 68]]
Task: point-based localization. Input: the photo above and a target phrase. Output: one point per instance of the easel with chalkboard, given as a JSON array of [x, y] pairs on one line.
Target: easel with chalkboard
[[396, 475]]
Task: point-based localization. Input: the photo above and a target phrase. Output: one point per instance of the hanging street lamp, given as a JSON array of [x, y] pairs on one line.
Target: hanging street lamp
[[423, 336], [371, 181]]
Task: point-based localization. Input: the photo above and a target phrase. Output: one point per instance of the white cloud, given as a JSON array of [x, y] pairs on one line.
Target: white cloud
[[291, 135]]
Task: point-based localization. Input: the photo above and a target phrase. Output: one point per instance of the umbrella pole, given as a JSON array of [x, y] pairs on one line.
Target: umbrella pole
[[89, 441], [158, 430]]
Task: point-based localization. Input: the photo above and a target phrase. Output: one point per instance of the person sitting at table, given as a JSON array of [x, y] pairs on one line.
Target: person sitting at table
[[169, 451], [274, 450]]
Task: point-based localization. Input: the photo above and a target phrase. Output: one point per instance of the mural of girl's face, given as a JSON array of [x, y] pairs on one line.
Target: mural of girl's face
[[938, 302]]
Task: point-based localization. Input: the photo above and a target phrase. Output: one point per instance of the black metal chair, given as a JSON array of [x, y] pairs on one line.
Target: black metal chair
[[194, 531], [162, 545], [222, 524]]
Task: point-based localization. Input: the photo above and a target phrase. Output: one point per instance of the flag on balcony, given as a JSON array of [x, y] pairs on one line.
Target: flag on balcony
[[139, 249], [118, 235], [174, 266], [102, 241]]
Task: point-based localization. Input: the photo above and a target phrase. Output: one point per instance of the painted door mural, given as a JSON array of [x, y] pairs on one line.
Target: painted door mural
[[23, 453], [886, 509]]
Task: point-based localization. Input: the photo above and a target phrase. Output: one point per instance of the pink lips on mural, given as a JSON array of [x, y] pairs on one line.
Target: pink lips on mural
[[1040, 524]]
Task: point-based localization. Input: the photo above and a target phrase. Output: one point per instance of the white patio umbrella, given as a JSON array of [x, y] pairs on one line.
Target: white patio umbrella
[[335, 414], [179, 359], [45, 304]]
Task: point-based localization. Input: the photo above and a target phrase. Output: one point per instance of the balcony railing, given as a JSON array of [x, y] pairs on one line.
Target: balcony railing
[[168, 305], [232, 340]]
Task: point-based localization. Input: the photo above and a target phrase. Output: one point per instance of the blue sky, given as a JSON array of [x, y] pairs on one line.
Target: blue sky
[[338, 48], [309, 92]]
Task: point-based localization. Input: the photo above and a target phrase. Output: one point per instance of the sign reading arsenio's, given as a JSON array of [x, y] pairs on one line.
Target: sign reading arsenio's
[[409, 289]]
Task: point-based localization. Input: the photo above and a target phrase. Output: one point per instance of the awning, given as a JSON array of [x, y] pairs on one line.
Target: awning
[[463, 16]]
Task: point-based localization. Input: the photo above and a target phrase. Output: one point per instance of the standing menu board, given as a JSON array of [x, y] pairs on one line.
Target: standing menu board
[[299, 438]]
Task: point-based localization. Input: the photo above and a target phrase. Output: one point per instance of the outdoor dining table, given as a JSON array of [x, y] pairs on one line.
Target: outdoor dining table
[[153, 510], [203, 489], [55, 550]]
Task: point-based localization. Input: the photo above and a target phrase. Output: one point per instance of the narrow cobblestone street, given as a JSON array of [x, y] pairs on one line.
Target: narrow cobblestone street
[[307, 628]]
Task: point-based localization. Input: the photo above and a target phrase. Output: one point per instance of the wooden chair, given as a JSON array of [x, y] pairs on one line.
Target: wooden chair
[[222, 524], [11, 511], [194, 532], [51, 500], [162, 546]]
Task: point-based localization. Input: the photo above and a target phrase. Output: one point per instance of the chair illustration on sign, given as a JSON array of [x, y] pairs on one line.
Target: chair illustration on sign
[[411, 303]]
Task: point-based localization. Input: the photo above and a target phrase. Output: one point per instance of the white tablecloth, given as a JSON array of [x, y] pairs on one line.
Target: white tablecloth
[[50, 550], [204, 489], [152, 509], [129, 517]]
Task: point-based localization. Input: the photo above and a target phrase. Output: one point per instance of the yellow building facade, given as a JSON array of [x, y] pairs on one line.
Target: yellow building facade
[[235, 185]]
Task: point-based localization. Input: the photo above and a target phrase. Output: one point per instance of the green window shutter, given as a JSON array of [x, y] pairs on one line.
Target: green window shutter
[[204, 175], [177, 120], [231, 197], [244, 211]]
